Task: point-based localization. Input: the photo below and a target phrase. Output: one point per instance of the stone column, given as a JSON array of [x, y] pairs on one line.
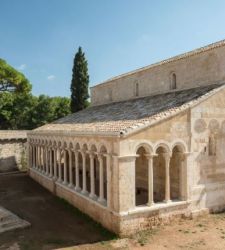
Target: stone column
[[30, 154], [50, 163], [60, 167], [43, 159], [184, 178], [65, 167], [92, 194], [101, 179], [167, 168], [37, 157], [108, 174], [70, 169], [150, 180], [55, 163], [33, 158], [84, 174], [77, 187], [47, 161]]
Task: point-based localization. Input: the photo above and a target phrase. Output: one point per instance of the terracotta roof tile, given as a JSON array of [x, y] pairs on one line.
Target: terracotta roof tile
[[122, 117]]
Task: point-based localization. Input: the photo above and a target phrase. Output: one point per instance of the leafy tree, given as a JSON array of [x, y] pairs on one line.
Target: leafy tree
[[19, 109], [11, 80], [61, 107], [79, 83]]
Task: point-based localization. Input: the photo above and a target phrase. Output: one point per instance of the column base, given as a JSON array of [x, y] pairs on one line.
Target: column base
[[85, 192], [71, 185], [167, 201], [59, 180], [65, 183], [102, 201], [78, 189], [93, 196], [149, 204]]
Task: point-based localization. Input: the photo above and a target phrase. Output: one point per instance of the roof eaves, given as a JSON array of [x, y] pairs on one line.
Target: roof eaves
[[74, 133]]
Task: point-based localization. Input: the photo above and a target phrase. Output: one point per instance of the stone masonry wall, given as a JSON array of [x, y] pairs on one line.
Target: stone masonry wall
[[197, 69], [12, 150]]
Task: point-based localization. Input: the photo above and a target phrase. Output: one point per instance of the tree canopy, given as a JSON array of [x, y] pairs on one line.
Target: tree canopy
[[19, 109], [11, 80], [80, 82]]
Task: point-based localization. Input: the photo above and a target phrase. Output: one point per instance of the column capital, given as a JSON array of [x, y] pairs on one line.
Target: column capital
[[76, 152], [167, 155], [100, 156], [91, 155], [150, 156]]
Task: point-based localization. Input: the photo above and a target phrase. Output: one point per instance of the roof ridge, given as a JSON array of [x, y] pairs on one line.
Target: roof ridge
[[187, 54]]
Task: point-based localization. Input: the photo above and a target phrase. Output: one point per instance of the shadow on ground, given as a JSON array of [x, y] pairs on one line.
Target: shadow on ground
[[54, 223]]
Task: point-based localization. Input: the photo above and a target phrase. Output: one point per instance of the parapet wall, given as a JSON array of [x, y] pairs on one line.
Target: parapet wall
[[200, 67], [13, 153]]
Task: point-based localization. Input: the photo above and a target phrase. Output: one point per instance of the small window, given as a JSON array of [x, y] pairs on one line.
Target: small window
[[173, 81], [212, 145], [110, 95], [136, 89]]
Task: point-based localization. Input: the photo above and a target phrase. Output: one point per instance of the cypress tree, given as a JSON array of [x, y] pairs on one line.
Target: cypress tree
[[79, 83]]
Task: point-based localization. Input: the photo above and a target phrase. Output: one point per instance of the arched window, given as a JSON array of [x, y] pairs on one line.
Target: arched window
[[173, 81], [136, 89]]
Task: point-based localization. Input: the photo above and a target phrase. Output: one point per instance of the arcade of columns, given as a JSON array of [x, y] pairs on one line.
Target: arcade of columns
[[68, 166]]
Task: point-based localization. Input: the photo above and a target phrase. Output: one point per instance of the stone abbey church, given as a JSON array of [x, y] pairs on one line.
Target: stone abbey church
[[150, 148]]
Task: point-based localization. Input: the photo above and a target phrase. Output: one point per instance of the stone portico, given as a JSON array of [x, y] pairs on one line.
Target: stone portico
[[138, 162]]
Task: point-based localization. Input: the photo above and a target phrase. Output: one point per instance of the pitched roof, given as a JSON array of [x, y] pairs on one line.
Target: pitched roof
[[169, 60], [121, 118]]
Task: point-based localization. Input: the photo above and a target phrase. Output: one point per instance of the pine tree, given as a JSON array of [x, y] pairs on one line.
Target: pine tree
[[79, 83]]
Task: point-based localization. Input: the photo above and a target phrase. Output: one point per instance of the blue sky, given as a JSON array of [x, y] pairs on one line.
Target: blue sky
[[40, 37]]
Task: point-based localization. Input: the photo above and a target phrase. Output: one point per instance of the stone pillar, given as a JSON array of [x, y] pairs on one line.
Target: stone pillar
[[150, 180], [50, 163], [70, 169], [30, 155], [43, 159], [65, 167], [167, 168], [60, 167], [33, 158], [92, 194], [55, 163], [37, 157], [40, 158], [47, 161], [84, 174], [108, 174], [184, 177], [101, 179], [124, 183], [77, 187]]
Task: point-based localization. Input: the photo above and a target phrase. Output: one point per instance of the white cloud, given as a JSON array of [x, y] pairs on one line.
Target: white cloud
[[51, 77], [22, 67]]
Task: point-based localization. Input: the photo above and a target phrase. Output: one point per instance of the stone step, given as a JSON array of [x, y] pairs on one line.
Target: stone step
[[10, 221]]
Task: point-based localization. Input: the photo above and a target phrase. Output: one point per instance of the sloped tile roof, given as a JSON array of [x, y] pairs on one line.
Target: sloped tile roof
[[121, 118], [13, 134]]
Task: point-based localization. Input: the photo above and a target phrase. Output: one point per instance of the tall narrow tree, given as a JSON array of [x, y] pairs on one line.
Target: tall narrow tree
[[80, 82]]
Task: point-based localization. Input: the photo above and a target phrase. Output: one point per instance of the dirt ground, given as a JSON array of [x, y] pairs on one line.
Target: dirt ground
[[202, 233], [53, 223]]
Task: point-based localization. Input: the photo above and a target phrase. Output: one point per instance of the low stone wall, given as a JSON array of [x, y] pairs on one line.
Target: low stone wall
[[13, 153], [123, 224]]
